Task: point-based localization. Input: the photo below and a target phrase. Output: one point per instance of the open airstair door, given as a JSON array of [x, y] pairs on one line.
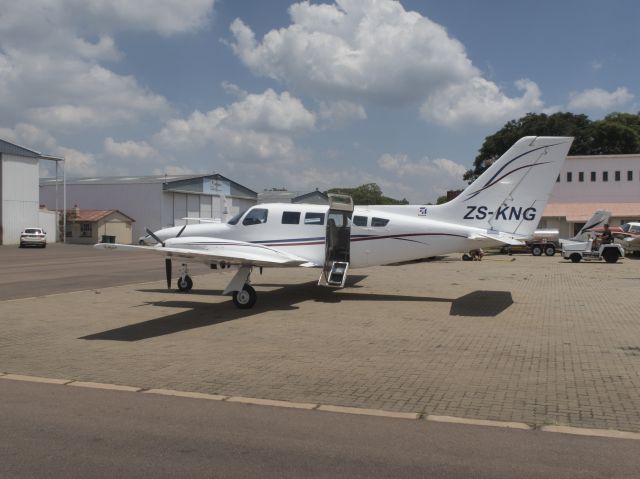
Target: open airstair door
[[338, 241]]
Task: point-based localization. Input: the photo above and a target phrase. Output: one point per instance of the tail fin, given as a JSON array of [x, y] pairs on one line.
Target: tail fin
[[599, 218], [511, 194]]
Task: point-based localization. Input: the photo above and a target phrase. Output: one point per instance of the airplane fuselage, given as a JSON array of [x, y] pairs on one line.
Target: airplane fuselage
[[378, 236]]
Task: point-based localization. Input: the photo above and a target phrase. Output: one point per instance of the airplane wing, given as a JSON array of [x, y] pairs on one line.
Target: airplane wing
[[216, 250]]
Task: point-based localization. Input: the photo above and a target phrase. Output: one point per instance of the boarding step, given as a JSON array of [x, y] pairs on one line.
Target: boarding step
[[338, 274]]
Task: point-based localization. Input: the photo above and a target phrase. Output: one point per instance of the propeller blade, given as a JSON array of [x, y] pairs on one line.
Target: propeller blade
[[180, 232], [152, 234], [167, 268]]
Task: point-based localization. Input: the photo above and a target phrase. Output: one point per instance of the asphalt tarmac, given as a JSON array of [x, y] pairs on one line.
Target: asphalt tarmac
[[61, 268], [60, 431]]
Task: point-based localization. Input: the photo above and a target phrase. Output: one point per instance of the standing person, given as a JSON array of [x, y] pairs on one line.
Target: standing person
[[607, 235]]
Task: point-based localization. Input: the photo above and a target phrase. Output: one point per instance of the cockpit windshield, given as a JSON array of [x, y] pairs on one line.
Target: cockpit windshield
[[236, 218]]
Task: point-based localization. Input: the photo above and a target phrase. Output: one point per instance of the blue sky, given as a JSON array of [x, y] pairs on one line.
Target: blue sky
[[303, 94]]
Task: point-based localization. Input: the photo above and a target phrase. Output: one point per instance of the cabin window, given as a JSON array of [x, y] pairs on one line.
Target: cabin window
[[360, 220], [314, 219], [256, 216], [379, 222], [290, 217], [236, 218]]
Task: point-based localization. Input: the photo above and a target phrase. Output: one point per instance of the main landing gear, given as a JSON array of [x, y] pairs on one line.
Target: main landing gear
[[185, 283], [245, 298], [242, 293]]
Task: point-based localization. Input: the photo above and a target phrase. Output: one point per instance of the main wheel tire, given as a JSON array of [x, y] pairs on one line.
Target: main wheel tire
[[610, 255], [466, 257], [575, 258], [185, 284], [246, 298], [549, 250], [536, 250]]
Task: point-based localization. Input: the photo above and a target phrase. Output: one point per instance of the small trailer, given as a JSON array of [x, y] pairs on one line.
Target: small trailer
[[583, 251], [542, 241]]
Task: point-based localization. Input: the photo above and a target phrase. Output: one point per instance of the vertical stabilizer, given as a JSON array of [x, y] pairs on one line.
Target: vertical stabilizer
[[598, 220], [512, 193]]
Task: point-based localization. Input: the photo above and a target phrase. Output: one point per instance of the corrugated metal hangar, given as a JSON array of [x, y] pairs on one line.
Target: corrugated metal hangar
[[19, 209], [156, 202]]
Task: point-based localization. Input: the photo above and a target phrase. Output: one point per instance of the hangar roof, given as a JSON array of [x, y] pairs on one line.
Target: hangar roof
[[9, 148], [170, 182]]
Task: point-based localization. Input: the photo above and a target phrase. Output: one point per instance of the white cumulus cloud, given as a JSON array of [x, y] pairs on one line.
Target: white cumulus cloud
[[259, 116], [599, 99], [52, 54], [480, 101], [140, 150], [375, 51]]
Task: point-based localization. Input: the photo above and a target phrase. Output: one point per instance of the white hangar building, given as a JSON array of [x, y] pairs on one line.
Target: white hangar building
[[589, 183], [19, 197], [156, 202]]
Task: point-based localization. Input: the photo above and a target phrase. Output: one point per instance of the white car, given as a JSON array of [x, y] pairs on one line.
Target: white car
[[33, 237]]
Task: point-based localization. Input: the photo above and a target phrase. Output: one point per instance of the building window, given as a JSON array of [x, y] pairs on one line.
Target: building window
[[569, 176], [617, 176], [593, 176], [629, 175], [85, 230], [581, 176], [290, 217], [605, 176]]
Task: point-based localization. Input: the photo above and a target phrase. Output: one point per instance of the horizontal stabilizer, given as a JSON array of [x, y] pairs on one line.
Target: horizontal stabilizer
[[499, 238]]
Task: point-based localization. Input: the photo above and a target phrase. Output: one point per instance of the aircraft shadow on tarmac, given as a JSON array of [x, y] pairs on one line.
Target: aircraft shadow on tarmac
[[199, 314]]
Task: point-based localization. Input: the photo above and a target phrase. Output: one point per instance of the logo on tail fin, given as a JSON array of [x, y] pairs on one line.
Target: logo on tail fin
[[498, 176]]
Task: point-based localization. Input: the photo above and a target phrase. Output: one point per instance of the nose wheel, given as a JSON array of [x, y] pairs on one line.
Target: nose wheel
[[245, 298]]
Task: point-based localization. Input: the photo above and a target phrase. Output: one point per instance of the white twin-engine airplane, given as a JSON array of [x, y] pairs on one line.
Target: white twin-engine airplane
[[503, 206]]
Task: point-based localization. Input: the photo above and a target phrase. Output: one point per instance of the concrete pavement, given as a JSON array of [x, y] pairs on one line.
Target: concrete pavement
[[535, 340], [57, 431]]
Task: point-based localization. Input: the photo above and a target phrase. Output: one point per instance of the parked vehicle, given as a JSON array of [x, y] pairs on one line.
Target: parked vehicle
[[583, 251], [33, 237]]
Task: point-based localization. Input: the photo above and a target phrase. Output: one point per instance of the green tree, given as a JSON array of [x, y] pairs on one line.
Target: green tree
[[612, 137], [536, 124], [616, 133], [368, 194]]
